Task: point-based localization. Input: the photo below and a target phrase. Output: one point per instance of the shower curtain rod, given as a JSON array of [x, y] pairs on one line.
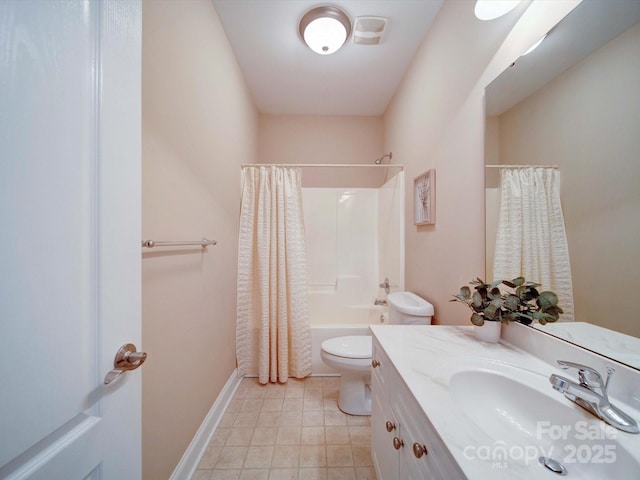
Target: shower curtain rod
[[521, 166], [393, 165]]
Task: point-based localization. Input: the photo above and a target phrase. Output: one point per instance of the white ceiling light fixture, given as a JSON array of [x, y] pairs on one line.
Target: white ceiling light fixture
[[491, 9], [325, 29]]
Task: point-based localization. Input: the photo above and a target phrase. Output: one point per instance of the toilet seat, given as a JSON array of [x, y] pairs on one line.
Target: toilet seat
[[356, 346]]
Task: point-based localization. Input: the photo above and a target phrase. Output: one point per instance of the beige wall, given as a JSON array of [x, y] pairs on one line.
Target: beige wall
[[198, 125], [587, 121], [324, 139], [435, 120]]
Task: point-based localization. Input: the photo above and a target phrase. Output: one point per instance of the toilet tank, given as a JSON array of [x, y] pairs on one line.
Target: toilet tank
[[407, 308]]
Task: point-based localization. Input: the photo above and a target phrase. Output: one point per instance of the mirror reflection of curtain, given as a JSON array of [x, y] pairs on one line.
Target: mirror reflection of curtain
[[531, 240], [273, 333]]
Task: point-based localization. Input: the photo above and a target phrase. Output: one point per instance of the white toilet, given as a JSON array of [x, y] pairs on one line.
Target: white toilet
[[351, 356]]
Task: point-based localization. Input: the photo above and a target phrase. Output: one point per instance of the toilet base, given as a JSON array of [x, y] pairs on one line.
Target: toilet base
[[354, 396]]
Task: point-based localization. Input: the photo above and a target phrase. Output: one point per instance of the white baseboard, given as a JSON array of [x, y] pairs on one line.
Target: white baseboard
[[192, 455]]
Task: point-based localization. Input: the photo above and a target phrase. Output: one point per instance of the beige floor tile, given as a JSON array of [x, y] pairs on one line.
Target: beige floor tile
[[246, 420], [312, 418], [312, 436], [360, 434], [256, 392], [339, 456], [201, 475], [272, 404], [290, 404], [365, 473], [334, 418], [239, 437], [341, 473], [288, 436], [288, 431], [234, 405], [255, 474], [294, 391], [251, 405], [313, 403], [290, 418], [312, 474], [264, 436], [210, 457], [330, 404], [220, 436], [227, 420], [275, 391], [268, 419], [361, 455], [258, 457], [359, 420], [225, 475], [333, 381], [313, 456], [338, 435], [285, 456], [283, 474], [231, 457], [313, 381]]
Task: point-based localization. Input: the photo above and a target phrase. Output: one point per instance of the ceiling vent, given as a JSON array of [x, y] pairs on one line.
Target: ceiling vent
[[369, 30]]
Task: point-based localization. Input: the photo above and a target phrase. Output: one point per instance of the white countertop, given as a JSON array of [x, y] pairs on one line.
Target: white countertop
[[425, 357]]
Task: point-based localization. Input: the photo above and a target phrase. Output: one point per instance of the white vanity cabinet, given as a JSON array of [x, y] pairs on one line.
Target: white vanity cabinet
[[404, 444]]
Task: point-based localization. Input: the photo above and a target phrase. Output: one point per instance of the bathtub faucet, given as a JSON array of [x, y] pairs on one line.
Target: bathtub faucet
[[386, 285]]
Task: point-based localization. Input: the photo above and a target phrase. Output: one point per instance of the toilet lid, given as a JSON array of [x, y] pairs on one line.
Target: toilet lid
[[349, 347]]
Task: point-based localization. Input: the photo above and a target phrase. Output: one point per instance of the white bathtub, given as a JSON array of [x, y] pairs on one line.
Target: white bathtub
[[358, 325]]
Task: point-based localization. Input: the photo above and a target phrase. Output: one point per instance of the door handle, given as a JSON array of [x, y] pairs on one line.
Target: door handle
[[126, 359]]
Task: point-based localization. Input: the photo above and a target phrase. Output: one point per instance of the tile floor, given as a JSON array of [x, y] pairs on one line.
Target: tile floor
[[293, 431]]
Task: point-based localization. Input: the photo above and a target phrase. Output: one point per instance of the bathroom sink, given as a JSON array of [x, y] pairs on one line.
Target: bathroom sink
[[521, 419]]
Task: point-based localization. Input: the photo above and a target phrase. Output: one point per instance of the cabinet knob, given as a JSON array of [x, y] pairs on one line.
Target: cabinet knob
[[375, 363], [419, 450], [390, 426], [397, 443]]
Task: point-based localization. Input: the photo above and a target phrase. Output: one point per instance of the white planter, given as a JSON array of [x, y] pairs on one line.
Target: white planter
[[489, 332]]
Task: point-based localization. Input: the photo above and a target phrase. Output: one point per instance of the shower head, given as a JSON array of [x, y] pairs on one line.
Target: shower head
[[378, 161]]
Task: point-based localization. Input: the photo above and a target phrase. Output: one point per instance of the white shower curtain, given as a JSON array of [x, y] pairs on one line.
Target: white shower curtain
[[531, 239], [273, 335]]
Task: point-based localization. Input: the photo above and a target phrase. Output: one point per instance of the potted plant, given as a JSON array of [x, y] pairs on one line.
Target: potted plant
[[523, 304]]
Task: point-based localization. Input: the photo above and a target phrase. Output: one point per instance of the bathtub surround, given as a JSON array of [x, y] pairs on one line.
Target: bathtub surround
[[273, 337]]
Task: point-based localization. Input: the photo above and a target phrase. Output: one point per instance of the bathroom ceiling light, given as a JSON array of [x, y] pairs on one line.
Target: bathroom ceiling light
[[325, 29], [490, 9]]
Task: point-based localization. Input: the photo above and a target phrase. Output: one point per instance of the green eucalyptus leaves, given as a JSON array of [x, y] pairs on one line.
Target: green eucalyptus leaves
[[523, 304]]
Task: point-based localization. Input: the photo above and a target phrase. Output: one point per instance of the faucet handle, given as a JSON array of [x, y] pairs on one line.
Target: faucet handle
[[588, 376]]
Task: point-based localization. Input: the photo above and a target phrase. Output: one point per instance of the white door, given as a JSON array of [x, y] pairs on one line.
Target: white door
[[69, 237]]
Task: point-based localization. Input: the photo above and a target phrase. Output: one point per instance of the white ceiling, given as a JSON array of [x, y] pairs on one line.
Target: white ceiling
[[286, 77]]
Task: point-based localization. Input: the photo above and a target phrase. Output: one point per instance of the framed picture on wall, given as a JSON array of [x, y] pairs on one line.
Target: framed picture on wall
[[424, 198]]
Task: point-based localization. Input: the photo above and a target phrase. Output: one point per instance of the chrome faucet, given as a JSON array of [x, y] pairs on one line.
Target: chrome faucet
[[591, 394]]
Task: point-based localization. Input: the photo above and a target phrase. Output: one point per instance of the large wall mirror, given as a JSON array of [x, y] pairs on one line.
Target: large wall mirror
[[575, 102]]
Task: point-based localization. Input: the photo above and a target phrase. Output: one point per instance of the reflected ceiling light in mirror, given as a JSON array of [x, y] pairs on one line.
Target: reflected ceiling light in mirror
[[535, 45], [491, 9], [325, 29]]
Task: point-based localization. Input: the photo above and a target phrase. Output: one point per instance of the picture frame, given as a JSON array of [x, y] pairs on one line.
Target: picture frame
[[424, 198]]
